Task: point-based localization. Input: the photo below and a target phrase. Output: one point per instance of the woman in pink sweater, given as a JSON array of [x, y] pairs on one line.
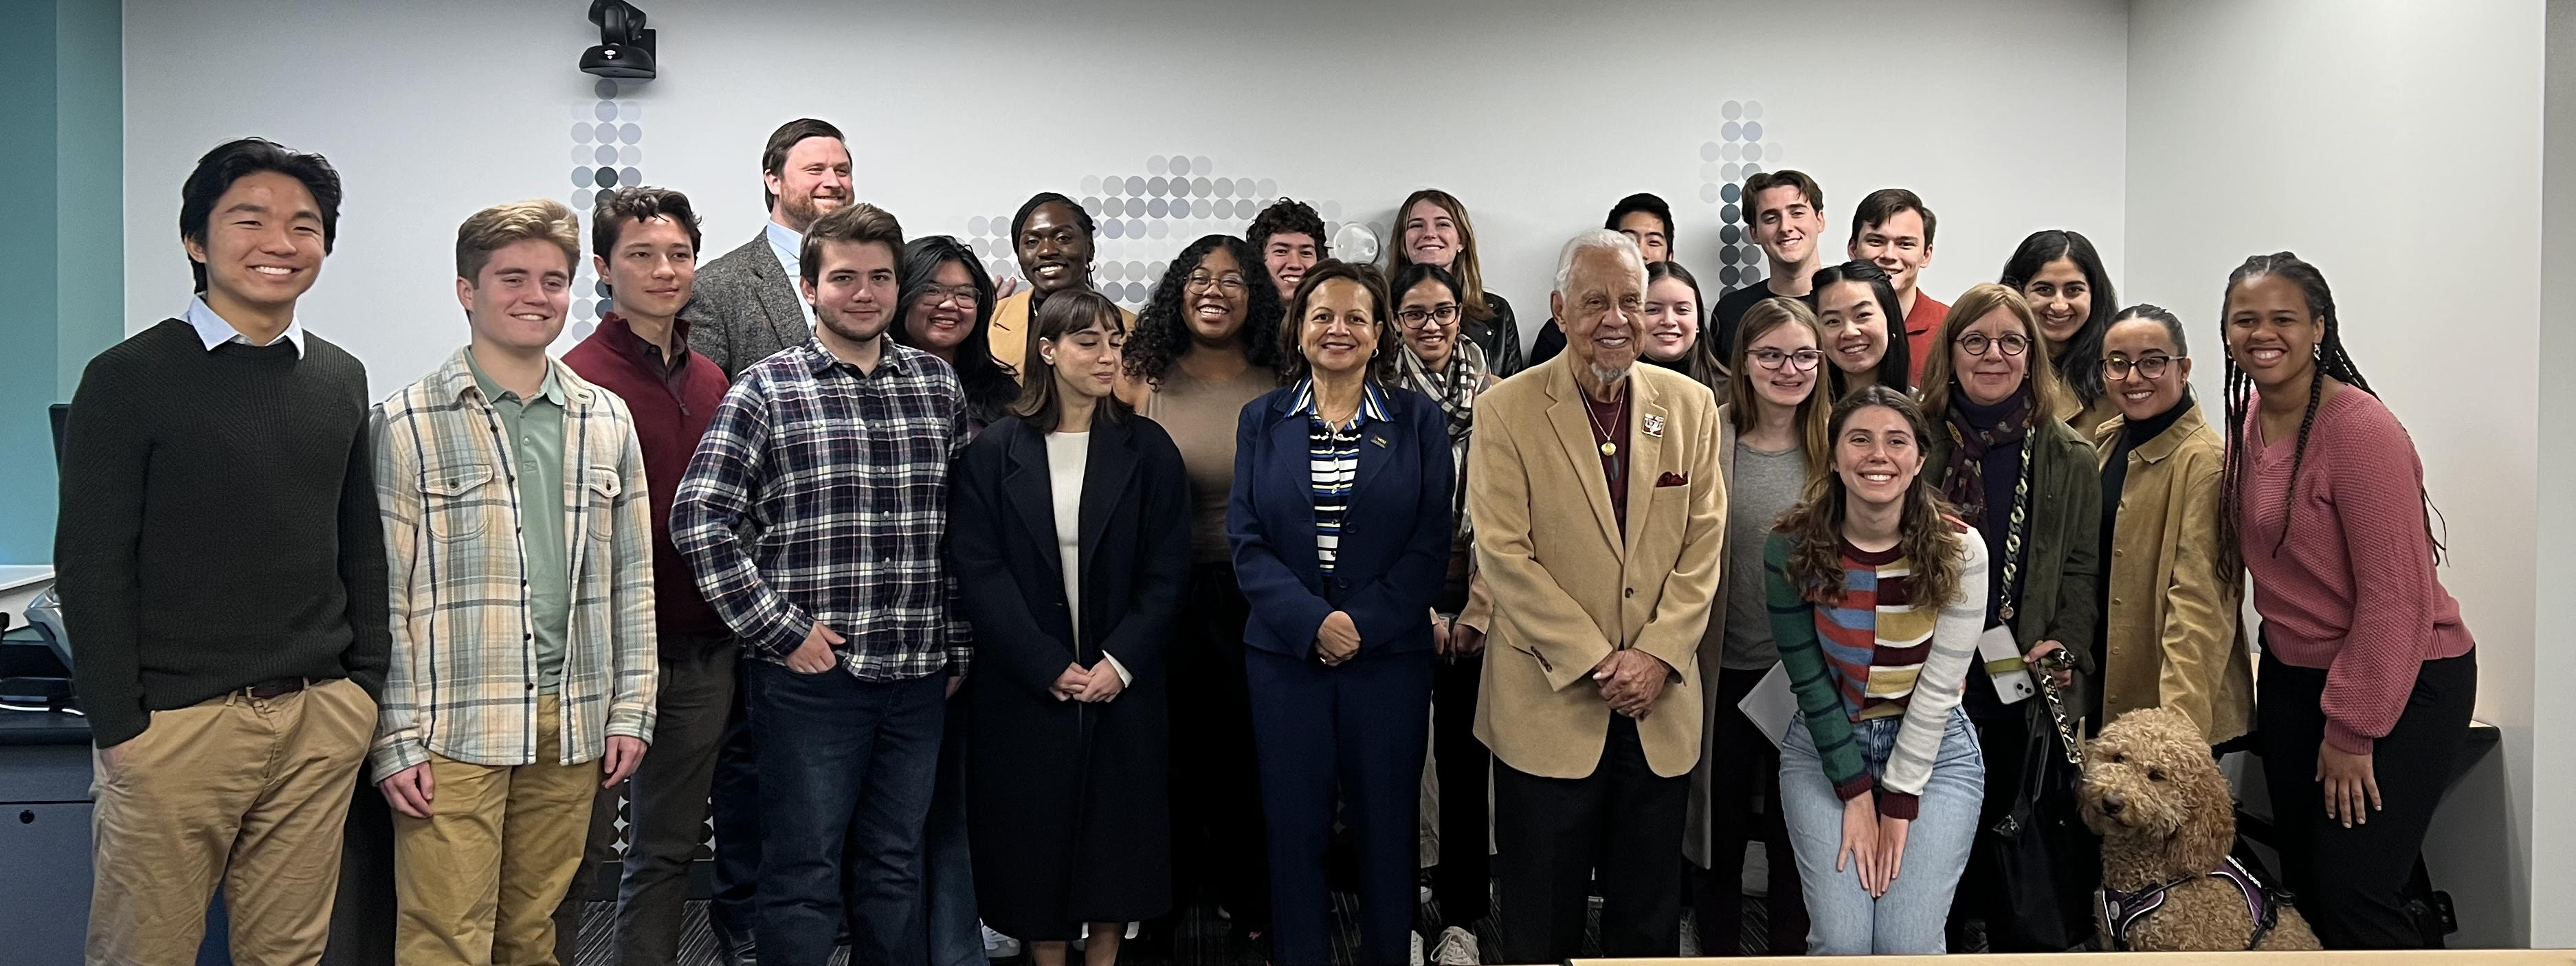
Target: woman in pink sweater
[[2367, 675]]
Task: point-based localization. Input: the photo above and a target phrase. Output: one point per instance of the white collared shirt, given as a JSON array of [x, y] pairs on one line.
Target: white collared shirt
[[789, 246], [215, 331]]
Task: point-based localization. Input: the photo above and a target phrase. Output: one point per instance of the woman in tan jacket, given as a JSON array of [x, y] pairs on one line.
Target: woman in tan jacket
[[2170, 634]]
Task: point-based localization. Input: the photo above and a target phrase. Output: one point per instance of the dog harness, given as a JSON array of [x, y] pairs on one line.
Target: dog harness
[[2121, 911]]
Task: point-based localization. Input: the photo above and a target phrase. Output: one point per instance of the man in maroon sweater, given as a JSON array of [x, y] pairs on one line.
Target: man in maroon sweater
[[644, 242]]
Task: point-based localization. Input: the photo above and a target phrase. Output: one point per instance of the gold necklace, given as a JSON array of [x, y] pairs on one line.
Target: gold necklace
[[1608, 448]]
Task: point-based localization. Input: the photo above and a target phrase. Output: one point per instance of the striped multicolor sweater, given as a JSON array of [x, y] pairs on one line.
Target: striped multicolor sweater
[[1877, 654]]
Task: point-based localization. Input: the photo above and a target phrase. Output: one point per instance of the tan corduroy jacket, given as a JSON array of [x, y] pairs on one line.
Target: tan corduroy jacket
[[2171, 634], [1569, 588]]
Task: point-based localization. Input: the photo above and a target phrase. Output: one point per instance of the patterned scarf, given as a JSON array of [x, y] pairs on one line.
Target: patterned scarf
[[1966, 485], [1455, 390]]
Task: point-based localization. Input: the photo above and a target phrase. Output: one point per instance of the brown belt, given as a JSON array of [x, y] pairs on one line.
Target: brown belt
[[265, 690]]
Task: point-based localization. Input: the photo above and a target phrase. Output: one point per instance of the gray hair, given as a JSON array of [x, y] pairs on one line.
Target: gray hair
[[1597, 239]]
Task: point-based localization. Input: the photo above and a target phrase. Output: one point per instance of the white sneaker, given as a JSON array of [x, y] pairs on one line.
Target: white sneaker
[[1417, 946], [998, 946], [1457, 948]]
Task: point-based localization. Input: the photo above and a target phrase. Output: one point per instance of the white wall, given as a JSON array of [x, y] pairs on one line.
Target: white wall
[[2397, 146], [2553, 722], [2004, 114]]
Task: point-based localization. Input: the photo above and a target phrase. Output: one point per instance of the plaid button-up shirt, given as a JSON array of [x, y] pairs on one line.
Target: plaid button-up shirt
[[463, 683], [820, 493]]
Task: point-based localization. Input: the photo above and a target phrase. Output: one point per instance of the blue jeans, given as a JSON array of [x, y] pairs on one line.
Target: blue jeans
[[733, 807], [1842, 918], [847, 765], [955, 939]]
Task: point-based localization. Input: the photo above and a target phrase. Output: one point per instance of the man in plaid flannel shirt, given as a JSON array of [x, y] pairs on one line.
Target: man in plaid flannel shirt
[[814, 516]]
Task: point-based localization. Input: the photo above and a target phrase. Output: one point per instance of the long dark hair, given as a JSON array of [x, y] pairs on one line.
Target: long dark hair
[[1162, 331], [1292, 353], [989, 385], [2079, 365], [1924, 532], [2331, 360], [1702, 363], [1039, 406], [1896, 368]]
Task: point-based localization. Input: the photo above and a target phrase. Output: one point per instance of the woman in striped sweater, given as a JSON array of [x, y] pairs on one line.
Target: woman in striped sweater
[[1877, 595]]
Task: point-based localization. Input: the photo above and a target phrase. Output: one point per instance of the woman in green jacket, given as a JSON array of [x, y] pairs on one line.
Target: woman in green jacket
[[2001, 452]]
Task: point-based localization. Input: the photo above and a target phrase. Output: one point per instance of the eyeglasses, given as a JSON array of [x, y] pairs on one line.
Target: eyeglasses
[[1803, 360], [1229, 284], [2012, 343], [1417, 318], [2151, 367], [964, 295]]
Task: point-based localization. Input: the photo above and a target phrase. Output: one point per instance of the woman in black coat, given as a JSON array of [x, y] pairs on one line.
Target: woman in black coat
[[1070, 561]]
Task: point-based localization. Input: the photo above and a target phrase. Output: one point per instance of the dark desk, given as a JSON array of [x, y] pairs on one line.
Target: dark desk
[[44, 835]]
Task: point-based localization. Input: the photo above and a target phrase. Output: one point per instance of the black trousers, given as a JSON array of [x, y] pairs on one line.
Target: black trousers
[[2351, 882], [2005, 737], [1220, 844], [1744, 801], [1621, 825], [1463, 883]]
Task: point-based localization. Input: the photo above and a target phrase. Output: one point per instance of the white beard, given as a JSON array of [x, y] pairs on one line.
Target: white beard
[[1611, 376]]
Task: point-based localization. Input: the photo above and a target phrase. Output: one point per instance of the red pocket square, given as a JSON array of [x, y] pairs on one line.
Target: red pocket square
[[1673, 479]]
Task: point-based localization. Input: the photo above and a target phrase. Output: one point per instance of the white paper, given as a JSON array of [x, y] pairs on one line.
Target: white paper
[[1772, 706]]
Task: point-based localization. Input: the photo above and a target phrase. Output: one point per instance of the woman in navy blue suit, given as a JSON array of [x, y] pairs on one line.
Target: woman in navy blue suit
[[1340, 526]]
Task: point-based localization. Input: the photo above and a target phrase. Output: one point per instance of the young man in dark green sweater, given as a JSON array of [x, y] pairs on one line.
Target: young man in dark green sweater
[[222, 571]]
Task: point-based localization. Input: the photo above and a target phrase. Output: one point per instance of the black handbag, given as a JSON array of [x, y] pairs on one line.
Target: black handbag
[[2047, 864]]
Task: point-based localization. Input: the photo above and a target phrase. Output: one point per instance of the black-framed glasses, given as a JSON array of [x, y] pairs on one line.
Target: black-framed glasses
[[1803, 360], [2148, 367], [1228, 283], [1417, 318], [2012, 343]]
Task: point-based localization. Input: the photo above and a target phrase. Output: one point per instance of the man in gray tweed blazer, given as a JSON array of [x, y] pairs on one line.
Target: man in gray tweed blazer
[[746, 305]]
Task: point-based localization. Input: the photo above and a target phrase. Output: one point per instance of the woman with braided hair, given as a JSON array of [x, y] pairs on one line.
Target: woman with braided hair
[[2368, 674]]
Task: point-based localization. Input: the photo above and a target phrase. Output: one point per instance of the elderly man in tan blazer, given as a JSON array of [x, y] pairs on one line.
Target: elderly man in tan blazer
[[1599, 511]]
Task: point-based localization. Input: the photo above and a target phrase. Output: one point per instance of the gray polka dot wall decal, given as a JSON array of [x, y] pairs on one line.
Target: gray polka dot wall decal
[[1731, 193], [603, 290], [1268, 189], [1732, 131], [581, 201], [1181, 208], [1201, 165], [632, 154], [1753, 130], [1751, 169], [607, 131], [1330, 209], [1726, 276], [606, 88], [1136, 270], [1730, 234], [1753, 110], [1180, 165], [1113, 228], [1155, 269], [629, 176], [1135, 186], [1158, 164], [1753, 152], [604, 154], [1157, 208], [630, 111], [1158, 229], [584, 132], [581, 176], [1732, 110], [978, 225], [1202, 187], [604, 111], [630, 133], [1732, 172], [1225, 188], [606, 178], [1135, 228], [1708, 192], [1091, 184], [582, 330], [1730, 213], [1161, 187], [1112, 272], [1733, 152], [1708, 150], [1710, 172]]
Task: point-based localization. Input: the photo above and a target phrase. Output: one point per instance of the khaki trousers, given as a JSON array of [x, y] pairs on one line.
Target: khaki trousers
[[246, 793], [477, 882]]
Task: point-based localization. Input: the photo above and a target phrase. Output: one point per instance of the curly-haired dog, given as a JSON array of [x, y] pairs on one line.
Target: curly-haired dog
[[2154, 794]]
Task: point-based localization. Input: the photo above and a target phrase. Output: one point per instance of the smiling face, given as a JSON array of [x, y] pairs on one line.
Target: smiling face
[[2140, 345], [263, 244], [1431, 234], [1339, 330], [651, 269], [1774, 360], [1215, 299], [1603, 311], [1785, 225], [854, 289], [1897, 247], [1055, 253], [814, 181], [1672, 319], [2157, 798], [518, 300], [2270, 331], [1429, 317], [1991, 356], [1287, 255], [1877, 456], [1652, 238], [944, 315], [1855, 326], [2062, 298], [1086, 361]]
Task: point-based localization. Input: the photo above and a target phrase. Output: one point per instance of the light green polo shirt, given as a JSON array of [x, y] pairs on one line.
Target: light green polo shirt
[[536, 439]]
